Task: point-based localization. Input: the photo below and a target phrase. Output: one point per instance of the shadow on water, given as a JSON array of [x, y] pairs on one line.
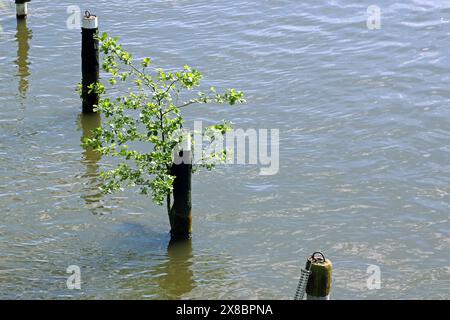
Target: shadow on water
[[23, 34], [91, 193]]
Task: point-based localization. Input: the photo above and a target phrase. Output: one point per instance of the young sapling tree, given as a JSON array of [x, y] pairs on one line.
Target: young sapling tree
[[148, 113]]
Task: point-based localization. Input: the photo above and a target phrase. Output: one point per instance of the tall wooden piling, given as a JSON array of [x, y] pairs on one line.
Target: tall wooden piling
[[21, 8], [180, 215], [89, 61]]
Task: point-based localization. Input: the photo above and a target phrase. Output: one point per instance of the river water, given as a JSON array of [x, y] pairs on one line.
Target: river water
[[364, 171]]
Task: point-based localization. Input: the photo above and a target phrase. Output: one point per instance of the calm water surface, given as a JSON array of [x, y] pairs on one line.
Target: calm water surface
[[364, 175]]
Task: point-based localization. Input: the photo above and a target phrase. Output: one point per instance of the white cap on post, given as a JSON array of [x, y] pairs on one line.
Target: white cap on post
[[89, 21], [186, 143], [21, 9]]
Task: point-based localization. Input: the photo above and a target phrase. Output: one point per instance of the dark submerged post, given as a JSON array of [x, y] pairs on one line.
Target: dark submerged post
[[89, 61], [21, 8], [180, 215]]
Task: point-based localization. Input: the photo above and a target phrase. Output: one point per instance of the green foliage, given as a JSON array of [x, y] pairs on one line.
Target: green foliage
[[149, 112]]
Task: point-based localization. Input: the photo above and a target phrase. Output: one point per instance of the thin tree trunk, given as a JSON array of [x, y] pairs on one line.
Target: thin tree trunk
[[168, 210]]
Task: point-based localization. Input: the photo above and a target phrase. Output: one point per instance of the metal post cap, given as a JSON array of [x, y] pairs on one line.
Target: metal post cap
[[319, 282], [89, 21]]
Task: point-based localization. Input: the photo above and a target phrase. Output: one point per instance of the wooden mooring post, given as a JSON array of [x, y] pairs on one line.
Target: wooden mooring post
[[21, 8], [90, 66], [180, 215]]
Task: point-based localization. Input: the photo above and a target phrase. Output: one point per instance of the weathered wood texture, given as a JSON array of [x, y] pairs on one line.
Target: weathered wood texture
[[90, 68], [180, 214]]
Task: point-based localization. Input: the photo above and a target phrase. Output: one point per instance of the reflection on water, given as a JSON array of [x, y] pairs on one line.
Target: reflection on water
[[151, 271], [23, 34], [177, 275], [91, 194]]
